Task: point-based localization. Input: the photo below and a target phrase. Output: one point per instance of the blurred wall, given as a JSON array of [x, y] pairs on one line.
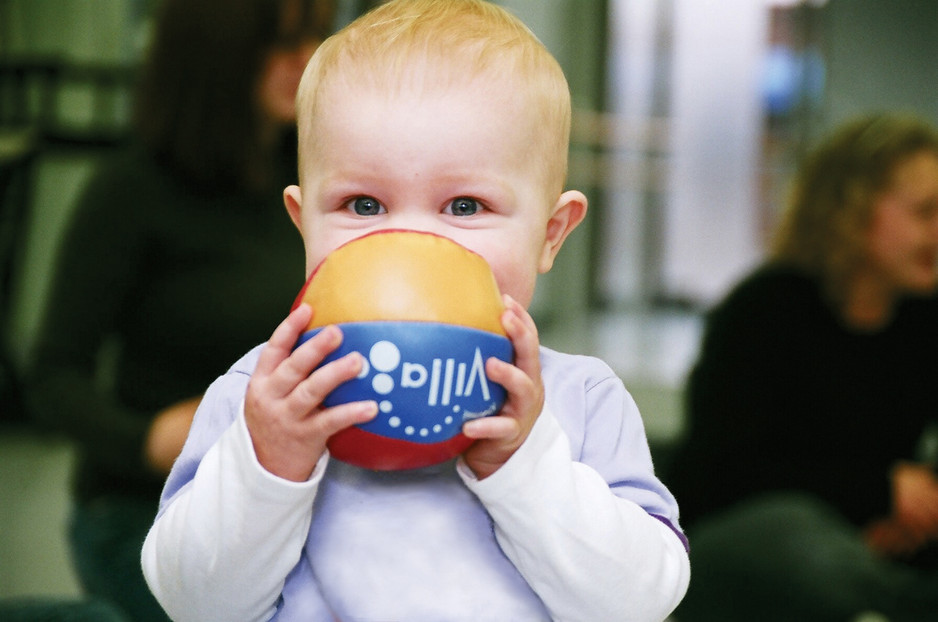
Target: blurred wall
[[710, 233], [881, 55], [76, 29]]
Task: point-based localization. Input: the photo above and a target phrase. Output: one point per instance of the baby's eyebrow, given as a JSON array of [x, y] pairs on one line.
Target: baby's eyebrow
[[473, 187]]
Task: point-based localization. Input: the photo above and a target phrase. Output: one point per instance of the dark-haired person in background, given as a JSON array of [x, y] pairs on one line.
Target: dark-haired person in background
[[178, 257], [799, 479]]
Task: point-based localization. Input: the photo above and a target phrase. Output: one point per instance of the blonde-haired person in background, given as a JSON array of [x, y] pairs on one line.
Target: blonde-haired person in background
[[447, 117], [800, 481]]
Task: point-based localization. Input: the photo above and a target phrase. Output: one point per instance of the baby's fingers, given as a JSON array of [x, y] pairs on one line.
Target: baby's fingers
[[492, 428], [337, 418], [284, 337], [310, 392], [522, 332], [299, 364], [496, 438], [521, 388]]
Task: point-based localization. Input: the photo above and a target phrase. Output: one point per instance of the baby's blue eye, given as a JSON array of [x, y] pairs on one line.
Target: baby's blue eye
[[366, 206], [464, 206]]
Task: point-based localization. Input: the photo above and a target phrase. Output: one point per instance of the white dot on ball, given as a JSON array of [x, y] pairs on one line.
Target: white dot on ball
[[409, 430], [386, 406], [382, 384], [394, 422], [365, 369], [437, 428], [448, 420], [384, 356], [424, 431], [456, 408]]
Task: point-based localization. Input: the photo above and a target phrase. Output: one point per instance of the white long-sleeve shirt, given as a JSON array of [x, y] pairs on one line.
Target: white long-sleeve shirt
[[575, 526]]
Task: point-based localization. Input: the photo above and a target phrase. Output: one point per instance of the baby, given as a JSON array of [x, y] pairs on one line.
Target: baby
[[448, 117]]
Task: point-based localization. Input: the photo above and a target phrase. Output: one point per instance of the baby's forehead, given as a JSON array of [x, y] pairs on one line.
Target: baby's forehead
[[424, 72], [471, 109], [525, 88], [422, 81]]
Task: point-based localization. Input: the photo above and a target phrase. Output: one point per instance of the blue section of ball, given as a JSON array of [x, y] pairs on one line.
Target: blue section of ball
[[427, 378]]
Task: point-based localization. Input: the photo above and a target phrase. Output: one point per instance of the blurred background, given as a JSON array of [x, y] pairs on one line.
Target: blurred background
[[689, 118]]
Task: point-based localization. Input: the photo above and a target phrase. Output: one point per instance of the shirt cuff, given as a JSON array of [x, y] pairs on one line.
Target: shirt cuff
[[253, 472], [518, 470]]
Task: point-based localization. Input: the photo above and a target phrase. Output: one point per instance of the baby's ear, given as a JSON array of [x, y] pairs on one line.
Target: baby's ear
[[293, 200], [567, 213]]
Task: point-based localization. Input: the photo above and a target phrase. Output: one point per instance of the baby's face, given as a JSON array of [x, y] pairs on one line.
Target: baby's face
[[456, 162]]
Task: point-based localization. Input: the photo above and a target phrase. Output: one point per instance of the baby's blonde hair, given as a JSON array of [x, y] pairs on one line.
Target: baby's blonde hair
[[434, 44]]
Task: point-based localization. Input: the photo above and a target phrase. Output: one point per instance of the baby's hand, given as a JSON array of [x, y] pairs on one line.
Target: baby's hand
[[498, 437], [283, 408]]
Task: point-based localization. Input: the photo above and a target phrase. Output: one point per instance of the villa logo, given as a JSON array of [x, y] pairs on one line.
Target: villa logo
[[426, 378], [447, 379]]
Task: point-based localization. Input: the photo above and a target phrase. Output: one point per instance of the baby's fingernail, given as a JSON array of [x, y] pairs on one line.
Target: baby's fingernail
[[332, 333], [358, 361], [369, 409], [468, 429]]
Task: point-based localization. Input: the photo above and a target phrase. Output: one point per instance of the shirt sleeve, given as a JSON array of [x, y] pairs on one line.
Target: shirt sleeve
[[231, 535], [555, 517]]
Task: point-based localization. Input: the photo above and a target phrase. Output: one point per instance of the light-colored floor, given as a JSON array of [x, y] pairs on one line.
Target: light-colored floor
[[34, 504], [650, 351]]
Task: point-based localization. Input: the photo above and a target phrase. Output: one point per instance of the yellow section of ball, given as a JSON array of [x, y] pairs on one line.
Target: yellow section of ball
[[405, 276]]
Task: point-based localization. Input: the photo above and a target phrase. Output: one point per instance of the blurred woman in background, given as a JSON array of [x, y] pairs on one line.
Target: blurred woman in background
[[800, 481], [179, 257]]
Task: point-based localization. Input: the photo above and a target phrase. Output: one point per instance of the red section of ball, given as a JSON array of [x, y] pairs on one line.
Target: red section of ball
[[370, 451]]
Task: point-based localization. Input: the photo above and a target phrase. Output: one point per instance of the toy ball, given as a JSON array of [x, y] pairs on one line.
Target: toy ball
[[425, 313]]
